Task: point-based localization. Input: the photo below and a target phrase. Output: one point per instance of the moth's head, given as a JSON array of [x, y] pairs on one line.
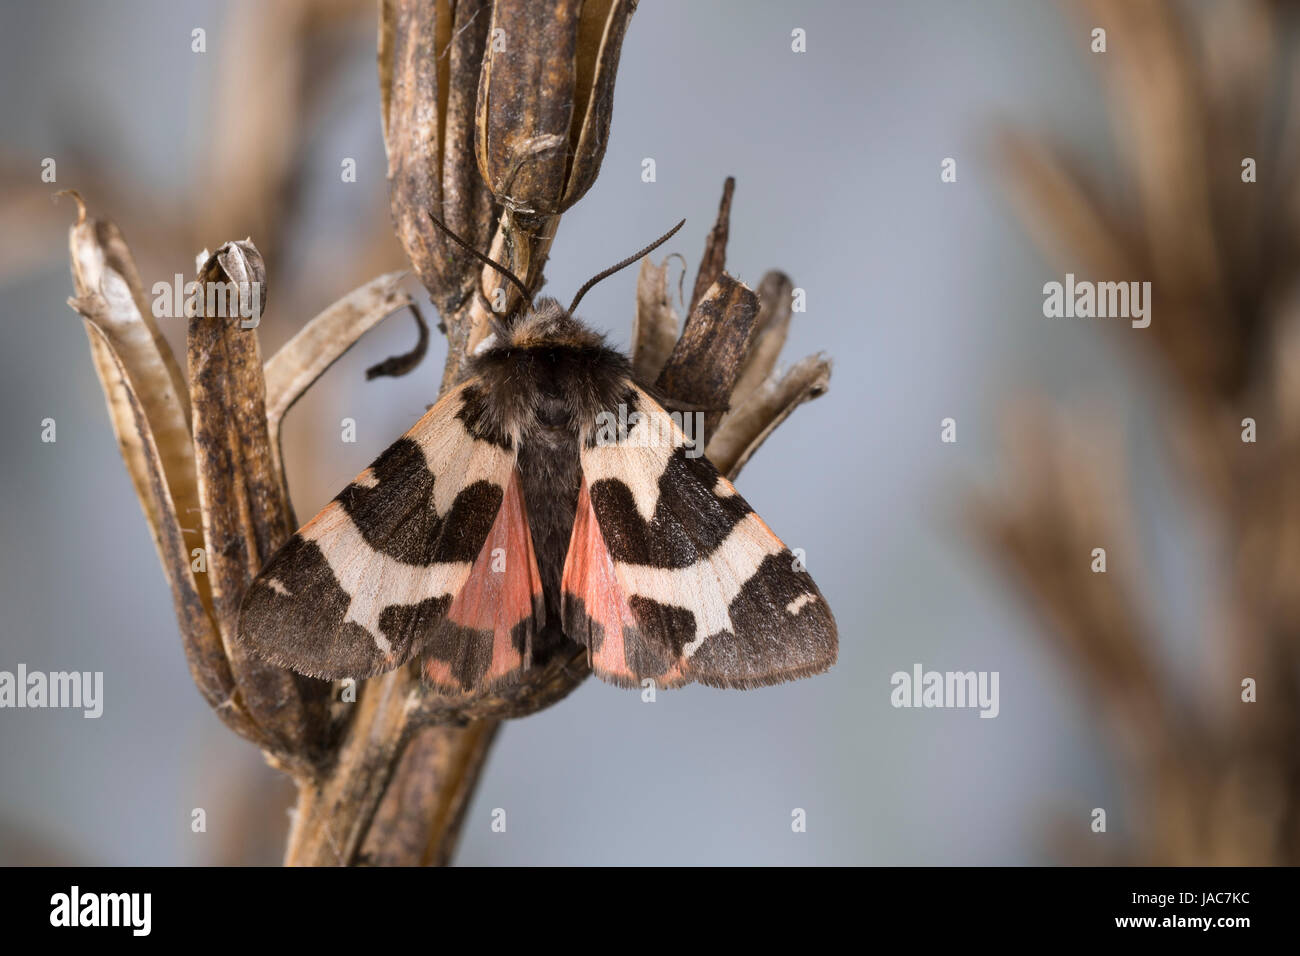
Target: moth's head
[[546, 346], [547, 370], [545, 325]]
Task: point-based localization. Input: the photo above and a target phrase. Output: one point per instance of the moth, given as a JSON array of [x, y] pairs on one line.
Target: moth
[[506, 525]]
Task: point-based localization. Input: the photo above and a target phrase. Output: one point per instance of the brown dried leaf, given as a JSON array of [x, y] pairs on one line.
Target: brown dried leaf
[[324, 340], [104, 272], [707, 360], [149, 411], [204, 651], [745, 429], [319, 344], [654, 329], [714, 260], [775, 304]]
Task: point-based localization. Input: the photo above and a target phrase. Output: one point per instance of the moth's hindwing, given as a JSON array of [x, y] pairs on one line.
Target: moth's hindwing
[[672, 576], [487, 636], [368, 583]]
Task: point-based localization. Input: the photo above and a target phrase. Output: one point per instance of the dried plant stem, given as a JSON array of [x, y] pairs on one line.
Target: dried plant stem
[[422, 819], [335, 810]]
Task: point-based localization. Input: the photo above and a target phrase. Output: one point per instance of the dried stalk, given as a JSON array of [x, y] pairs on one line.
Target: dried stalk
[[387, 779]]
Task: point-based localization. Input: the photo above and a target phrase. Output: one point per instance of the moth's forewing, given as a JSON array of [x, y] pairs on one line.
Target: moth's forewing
[[365, 585], [672, 576]]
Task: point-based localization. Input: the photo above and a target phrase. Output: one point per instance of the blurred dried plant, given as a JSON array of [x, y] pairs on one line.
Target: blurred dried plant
[[495, 115], [1194, 92], [270, 76]]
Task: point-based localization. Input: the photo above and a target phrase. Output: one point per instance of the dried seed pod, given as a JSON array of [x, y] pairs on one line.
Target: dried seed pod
[[430, 57], [545, 99], [245, 516]]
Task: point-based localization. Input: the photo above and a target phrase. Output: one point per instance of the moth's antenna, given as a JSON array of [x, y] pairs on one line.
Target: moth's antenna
[[518, 283], [624, 264]]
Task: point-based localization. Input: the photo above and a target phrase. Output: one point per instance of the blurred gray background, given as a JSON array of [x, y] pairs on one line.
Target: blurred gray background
[[928, 296]]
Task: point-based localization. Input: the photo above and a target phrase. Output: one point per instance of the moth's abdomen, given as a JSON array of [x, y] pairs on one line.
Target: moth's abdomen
[[550, 477]]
